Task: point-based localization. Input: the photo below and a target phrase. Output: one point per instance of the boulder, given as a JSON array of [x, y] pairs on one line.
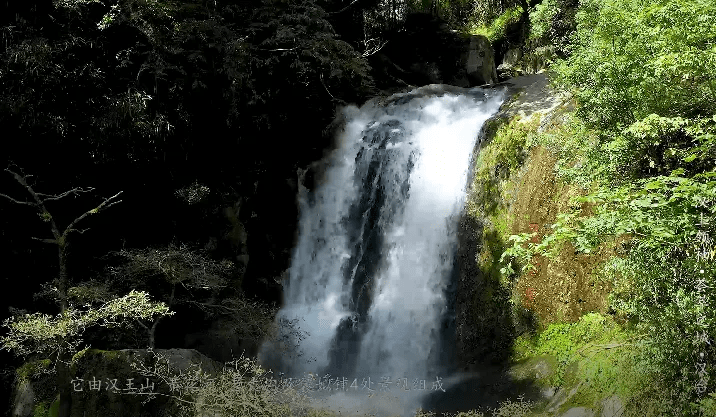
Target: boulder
[[507, 71], [428, 71], [111, 372], [511, 65], [23, 400], [107, 366], [512, 57], [479, 60]]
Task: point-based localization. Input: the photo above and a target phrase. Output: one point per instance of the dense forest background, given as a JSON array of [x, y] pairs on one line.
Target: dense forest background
[[208, 117]]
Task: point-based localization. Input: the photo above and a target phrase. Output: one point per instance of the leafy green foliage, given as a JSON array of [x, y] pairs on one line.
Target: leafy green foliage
[[189, 279], [497, 28], [633, 59], [44, 334], [669, 221], [553, 23], [642, 149], [486, 12]]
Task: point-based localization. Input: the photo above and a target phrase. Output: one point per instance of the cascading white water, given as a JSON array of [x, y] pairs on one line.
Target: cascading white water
[[376, 244]]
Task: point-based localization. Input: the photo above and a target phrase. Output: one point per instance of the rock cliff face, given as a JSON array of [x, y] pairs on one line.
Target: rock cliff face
[[485, 328]]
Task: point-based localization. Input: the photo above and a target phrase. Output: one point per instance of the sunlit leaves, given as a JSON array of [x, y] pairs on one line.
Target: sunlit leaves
[[42, 333], [650, 59]]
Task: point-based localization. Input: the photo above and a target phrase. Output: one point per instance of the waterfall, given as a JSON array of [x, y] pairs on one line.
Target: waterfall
[[375, 251]]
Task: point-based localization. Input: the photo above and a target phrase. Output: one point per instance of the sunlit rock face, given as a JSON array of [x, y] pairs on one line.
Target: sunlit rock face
[[371, 283]]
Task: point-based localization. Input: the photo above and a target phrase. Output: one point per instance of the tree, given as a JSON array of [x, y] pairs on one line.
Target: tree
[[187, 278], [55, 335], [194, 280]]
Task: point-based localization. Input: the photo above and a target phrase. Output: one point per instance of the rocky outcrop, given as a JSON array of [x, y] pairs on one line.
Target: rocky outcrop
[[510, 66], [120, 392], [33, 387]]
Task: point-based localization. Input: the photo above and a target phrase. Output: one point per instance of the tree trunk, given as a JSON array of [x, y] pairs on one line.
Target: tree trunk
[[524, 21], [64, 383], [63, 359], [152, 332], [64, 279]]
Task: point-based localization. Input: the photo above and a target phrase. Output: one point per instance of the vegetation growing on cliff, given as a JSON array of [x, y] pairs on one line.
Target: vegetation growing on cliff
[[642, 150]]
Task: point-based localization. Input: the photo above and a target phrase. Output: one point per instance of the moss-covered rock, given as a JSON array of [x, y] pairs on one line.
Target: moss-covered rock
[[104, 382], [34, 384]]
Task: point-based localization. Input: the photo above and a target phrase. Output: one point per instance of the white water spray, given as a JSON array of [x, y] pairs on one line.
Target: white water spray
[[376, 245]]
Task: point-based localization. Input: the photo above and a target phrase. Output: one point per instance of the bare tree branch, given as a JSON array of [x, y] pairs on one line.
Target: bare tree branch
[[329, 93], [105, 204], [54, 197], [374, 49], [142, 324], [53, 241], [204, 306], [345, 8], [16, 201], [278, 49], [78, 231], [38, 202]]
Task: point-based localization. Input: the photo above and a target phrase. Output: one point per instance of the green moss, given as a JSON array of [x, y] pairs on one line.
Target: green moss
[[77, 356], [30, 369], [54, 410], [503, 153], [593, 356], [40, 410], [87, 357]]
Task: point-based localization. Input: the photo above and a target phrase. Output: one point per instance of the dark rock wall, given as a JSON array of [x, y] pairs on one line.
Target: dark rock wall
[[427, 52]]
